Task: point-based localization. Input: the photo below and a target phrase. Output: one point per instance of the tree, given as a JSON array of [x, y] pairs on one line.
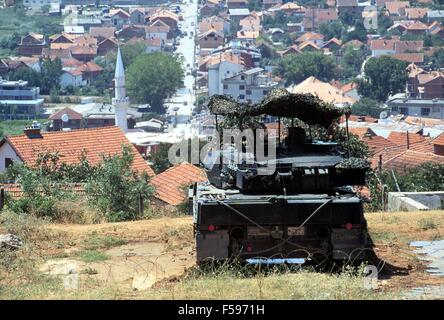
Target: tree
[[279, 20], [333, 29], [437, 58], [153, 77], [384, 22], [45, 8], [160, 158], [298, 67], [358, 33], [115, 188], [383, 76], [367, 107], [255, 5], [10, 42], [26, 74], [348, 17], [51, 70], [352, 61], [130, 52]]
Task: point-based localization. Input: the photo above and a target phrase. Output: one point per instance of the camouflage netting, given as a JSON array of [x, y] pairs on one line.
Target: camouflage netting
[[281, 103], [353, 163], [227, 106]]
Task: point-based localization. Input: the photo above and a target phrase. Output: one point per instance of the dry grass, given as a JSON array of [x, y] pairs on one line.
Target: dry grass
[[404, 227], [391, 233], [69, 211]]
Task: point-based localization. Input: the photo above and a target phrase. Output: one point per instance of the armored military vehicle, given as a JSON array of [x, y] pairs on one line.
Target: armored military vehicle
[[304, 207]]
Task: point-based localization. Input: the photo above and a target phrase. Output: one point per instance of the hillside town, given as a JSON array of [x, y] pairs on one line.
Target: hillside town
[[99, 81]]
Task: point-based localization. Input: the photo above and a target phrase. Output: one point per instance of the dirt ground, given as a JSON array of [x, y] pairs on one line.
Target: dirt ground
[[155, 253], [392, 233], [151, 251]]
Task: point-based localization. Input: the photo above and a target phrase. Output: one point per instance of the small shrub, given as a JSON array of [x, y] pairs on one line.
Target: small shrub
[[92, 256], [94, 242], [76, 211], [25, 226], [153, 212], [115, 189], [427, 224], [89, 271]]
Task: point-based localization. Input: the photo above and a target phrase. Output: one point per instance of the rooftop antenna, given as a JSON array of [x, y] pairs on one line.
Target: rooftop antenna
[[64, 118]]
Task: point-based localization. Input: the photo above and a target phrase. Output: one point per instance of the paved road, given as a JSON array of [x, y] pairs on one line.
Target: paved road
[[183, 101]]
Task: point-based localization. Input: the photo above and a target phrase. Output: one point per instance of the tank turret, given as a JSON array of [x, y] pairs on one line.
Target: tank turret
[[295, 200]]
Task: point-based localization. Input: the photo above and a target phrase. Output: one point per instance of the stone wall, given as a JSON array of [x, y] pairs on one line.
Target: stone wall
[[415, 201]]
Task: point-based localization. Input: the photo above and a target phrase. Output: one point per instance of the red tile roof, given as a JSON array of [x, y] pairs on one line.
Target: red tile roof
[[14, 190], [411, 57], [310, 36], [416, 13], [356, 118], [362, 132], [70, 144], [401, 138], [410, 159], [439, 140], [390, 152], [73, 115], [377, 143], [169, 184], [90, 67], [396, 7]]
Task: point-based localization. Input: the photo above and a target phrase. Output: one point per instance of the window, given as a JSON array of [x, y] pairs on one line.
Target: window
[[395, 108], [404, 111], [435, 109], [265, 92], [248, 91], [242, 77], [241, 87], [225, 86], [425, 111], [242, 96], [8, 162]]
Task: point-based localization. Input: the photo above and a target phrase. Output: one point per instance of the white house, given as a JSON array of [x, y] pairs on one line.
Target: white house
[[220, 67], [153, 45], [381, 47], [250, 85], [119, 18], [137, 16], [39, 3], [71, 78], [157, 31], [7, 156]]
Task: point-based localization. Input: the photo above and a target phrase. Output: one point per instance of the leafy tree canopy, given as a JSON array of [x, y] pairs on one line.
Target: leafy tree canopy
[[367, 107], [437, 58], [51, 70], [352, 61], [26, 74], [383, 76], [153, 77], [333, 29], [296, 68]]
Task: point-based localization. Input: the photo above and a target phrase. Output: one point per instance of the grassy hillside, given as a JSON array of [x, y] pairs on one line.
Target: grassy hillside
[[11, 127], [16, 22]]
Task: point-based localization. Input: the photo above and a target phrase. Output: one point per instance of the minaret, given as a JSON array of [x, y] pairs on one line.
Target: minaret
[[120, 100]]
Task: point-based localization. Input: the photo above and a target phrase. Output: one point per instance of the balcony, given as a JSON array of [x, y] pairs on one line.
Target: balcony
[[30, 94]]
